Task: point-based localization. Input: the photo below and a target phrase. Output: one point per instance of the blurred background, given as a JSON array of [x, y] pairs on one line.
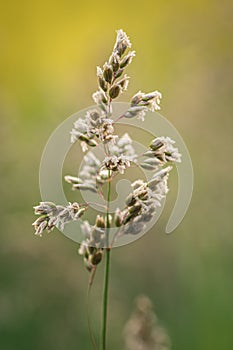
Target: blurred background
[[49, 53]]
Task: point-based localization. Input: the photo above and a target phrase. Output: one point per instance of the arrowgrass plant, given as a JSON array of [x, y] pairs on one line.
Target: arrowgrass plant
[[97, 129]]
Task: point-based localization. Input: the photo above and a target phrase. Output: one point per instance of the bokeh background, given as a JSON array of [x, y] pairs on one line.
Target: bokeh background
[[49, 53]]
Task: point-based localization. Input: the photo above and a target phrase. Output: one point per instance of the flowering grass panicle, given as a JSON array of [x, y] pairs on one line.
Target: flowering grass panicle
[[143, 331], [97, 128]]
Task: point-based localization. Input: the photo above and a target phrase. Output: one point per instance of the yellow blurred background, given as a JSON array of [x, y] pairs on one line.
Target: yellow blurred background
[[49, 53]]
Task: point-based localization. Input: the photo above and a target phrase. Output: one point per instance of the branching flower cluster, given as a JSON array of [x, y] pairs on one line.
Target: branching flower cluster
[[143, 331], [97, 128], [141, 204], [92, 247], [52, 215]]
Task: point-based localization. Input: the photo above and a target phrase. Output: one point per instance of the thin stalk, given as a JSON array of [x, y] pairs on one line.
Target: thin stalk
[[106, 277], [93, 341]]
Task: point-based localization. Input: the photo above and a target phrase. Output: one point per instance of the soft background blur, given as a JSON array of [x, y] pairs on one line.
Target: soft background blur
[[49, 53]]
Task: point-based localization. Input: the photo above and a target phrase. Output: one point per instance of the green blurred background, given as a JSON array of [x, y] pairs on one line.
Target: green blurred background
[[49, 53]]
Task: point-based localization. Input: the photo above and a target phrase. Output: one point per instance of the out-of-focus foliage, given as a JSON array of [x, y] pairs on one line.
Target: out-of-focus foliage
[[49, 53]]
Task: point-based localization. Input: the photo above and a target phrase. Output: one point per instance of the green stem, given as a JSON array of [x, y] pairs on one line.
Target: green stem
[[105, 299], [107, 268], [92, 276]]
